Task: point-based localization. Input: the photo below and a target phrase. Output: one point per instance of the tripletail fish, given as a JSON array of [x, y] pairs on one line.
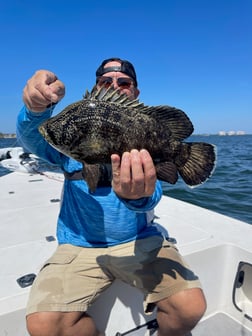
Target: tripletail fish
[[106, 122]]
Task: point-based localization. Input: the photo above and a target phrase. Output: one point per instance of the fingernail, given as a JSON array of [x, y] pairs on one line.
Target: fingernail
[[134, 151], [144, 152], [126, 156]]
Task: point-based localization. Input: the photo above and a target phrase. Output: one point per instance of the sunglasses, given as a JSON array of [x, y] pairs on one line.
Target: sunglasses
[[123, 82]]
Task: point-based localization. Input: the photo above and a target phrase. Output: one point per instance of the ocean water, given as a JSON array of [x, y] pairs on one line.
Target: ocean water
[[228, 191]]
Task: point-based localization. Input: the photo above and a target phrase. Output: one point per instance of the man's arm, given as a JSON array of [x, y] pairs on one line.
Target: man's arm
[[42, 91]]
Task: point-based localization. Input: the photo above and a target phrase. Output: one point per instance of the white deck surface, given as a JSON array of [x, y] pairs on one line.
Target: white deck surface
[[213, 245]]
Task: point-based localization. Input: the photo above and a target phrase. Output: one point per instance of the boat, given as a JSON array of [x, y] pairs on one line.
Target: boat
[[217, 247], [16, 159]]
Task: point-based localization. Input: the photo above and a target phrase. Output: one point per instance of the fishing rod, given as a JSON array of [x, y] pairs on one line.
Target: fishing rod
[[152, 325]]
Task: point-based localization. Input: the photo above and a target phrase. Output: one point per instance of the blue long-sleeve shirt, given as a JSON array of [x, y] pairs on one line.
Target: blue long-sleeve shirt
[[87, 219]]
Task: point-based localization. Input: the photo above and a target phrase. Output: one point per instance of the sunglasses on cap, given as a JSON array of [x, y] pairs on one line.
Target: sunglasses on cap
[[122, 82]]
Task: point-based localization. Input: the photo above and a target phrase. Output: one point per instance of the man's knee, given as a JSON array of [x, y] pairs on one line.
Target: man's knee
[[44, 323], [182, 311], [60, 324], [36, 324], [195, 307]]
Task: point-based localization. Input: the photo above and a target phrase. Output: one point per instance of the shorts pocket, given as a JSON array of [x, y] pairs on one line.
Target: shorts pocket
[[60, 259]]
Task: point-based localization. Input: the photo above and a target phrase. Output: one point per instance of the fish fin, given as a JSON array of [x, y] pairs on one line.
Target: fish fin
[[112, 95], [167, 171], [171, 119], [198, 164], [91, 174]]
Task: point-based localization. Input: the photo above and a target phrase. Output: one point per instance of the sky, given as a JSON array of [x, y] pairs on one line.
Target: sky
[[192, 54]]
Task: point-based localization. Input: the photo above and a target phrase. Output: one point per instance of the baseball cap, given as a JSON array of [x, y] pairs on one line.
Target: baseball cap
[[125, 67]]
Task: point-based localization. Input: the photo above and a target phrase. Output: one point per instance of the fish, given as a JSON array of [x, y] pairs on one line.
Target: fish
[[107, 122]]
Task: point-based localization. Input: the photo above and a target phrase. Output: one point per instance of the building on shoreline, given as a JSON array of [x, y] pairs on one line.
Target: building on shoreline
[[231, 133]]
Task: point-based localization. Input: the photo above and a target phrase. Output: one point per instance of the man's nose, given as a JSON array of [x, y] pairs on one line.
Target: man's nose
[[115, 84]]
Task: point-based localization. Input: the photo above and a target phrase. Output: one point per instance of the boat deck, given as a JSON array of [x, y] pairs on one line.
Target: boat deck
[[220, 324], [213, 245], [217, 325]]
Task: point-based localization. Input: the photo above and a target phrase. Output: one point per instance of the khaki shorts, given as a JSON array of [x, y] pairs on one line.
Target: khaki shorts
[[74, 276]]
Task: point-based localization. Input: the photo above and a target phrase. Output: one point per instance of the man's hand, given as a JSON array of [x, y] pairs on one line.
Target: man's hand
[[134, 175], [41, 90]]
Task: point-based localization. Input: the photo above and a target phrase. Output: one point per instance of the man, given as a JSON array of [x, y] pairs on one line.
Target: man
[[98, 233]]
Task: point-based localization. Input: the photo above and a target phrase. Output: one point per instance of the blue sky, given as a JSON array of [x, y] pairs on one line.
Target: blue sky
[[192, 54]]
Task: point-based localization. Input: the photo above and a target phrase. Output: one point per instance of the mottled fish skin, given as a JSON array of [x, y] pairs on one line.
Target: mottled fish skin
[[106, 122]]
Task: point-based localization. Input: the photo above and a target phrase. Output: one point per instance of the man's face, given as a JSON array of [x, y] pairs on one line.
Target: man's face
[[119, 80]]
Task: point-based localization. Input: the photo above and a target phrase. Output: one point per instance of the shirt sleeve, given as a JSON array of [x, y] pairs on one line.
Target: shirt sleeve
[[29, 137]]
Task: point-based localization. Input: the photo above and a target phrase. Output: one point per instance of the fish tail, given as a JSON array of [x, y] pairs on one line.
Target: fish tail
[[198, 162]]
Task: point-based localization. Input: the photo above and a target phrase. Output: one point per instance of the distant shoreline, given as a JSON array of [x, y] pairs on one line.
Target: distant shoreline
[[13, 135], [7, 135]]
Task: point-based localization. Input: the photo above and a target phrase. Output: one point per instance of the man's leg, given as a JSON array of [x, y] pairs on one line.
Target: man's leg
[[178, 314], [62, 292], [61, 324]]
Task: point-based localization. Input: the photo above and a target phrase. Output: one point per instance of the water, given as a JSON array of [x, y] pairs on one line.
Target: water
[[228, 191], [7, 143]]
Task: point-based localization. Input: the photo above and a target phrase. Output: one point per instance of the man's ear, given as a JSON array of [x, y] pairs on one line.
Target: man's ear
[[136, 92]]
